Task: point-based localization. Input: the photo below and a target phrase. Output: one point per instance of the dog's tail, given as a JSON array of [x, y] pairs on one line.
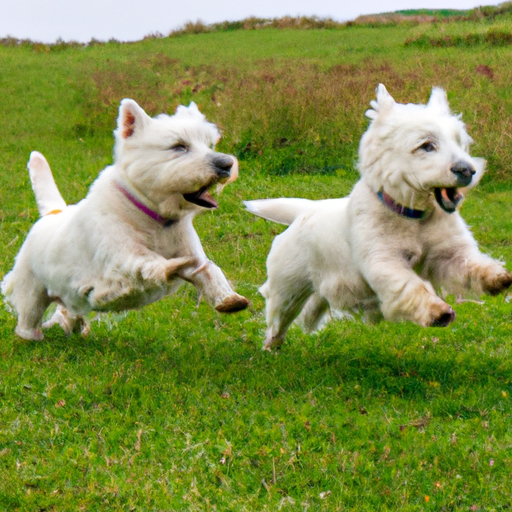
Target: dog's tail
[[282, 210], [47, 194]]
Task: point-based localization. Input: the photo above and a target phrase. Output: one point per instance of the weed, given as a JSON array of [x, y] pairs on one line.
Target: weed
[[253, 23], [491, 38]]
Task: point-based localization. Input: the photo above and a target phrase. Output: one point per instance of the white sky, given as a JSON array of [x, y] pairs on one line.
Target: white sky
[[130, 20]]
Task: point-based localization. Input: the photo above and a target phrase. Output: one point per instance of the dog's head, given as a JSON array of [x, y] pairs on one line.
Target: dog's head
[[418, 152], [171, 159]]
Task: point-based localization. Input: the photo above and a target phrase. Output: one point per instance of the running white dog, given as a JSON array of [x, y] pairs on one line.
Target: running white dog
[[395, 239], [131, 241]]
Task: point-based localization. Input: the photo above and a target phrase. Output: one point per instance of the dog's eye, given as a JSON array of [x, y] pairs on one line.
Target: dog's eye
[[427, 147], [179, 148]]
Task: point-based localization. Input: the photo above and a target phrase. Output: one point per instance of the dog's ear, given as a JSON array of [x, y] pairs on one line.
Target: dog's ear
[[191, 110], [131, 118], [438, 101], [382, 105]]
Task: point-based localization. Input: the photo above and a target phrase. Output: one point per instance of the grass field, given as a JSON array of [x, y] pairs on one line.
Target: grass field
[[175, 408]]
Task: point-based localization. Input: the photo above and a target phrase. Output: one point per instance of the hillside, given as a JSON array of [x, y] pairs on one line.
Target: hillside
[[175, 408]]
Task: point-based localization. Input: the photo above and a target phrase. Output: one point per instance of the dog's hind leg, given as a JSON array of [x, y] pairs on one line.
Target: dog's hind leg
[[312, 316], [68, 322], [47, 194], [284, 301], [30, 303]]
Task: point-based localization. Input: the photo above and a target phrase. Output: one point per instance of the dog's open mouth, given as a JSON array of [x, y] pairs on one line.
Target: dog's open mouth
[[448, 198], [202, 198]]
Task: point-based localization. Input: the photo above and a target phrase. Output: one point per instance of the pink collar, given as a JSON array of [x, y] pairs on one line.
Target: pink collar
[[143, 208]]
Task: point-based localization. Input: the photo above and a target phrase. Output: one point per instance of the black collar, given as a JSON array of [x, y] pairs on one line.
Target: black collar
[[404, 211]]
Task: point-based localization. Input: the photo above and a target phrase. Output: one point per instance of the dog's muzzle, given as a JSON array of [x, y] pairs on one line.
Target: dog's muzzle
[[226, 169], [449, 197]]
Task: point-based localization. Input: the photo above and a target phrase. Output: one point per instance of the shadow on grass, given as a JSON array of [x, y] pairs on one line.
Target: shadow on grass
[[205, 351]]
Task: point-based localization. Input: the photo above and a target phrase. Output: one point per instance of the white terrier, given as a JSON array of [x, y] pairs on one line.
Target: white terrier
[[131, 241], [396, 238]]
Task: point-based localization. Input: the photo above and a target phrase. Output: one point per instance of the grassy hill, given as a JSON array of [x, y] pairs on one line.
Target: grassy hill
[[176, 408]]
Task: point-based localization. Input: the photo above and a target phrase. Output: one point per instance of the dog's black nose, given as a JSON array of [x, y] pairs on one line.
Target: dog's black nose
[[222, 164], [464, 172]]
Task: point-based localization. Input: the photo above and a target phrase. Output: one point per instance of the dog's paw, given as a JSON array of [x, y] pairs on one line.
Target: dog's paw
[[497, 283], [273, 344], [81, 326], [232, 304], [443, 318], [62, 318], [29, 334]]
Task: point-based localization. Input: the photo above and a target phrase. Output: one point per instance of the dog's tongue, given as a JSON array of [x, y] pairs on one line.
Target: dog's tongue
[[202, 198], [448, 198]]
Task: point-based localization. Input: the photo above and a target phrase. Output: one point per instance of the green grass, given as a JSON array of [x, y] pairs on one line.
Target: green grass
[[176, 408]]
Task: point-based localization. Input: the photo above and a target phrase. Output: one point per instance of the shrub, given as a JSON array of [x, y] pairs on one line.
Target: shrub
[[491, 38]]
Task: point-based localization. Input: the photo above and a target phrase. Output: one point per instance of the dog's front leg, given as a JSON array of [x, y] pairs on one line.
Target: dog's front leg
[[207, 277], [456, 263], [468, 270], [146, 271], [405, 296], [487, 275], [212, 284], [161, 270]]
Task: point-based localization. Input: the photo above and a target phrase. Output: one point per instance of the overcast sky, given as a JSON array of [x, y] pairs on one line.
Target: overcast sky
[[130, 20]]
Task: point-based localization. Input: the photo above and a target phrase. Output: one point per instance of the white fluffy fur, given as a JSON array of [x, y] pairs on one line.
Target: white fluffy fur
[[355, 252], [104, 253]]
